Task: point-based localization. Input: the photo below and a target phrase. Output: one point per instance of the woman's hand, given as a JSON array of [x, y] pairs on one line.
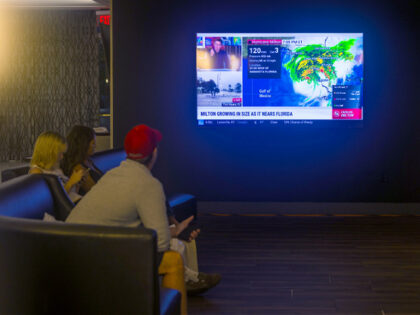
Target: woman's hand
[[77, 175], [75, 178]]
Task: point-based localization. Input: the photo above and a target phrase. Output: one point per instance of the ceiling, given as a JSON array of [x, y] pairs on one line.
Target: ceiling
[[72, 4]]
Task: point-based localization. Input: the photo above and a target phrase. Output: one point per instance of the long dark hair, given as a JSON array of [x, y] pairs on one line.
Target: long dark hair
[[78, 141]]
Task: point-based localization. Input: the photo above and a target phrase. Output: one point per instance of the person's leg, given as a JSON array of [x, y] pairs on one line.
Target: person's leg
[[172, 269], [196, 282], [180, 247], [190, 255]]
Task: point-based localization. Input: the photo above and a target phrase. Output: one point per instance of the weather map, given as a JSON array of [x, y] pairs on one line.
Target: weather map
[[283, 76], [313, 61]]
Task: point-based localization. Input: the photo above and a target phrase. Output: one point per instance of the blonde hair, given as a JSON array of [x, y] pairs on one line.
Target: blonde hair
[[46, 149]]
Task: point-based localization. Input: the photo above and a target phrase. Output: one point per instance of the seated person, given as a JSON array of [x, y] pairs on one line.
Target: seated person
[[48, 152], [130, 196], [81, 145]]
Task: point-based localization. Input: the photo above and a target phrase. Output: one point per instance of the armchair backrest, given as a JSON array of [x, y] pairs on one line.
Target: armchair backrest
[[61, 268], [30, 196], [104, 160], [14, 172], [108, 159]]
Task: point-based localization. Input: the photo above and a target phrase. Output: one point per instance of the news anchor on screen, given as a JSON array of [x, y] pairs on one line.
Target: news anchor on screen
[[218, 56]]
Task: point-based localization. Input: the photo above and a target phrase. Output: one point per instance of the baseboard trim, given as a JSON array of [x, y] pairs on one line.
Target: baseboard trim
[[409, 208]]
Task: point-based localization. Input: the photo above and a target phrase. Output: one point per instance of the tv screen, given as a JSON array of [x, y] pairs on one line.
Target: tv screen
[[279, 79]]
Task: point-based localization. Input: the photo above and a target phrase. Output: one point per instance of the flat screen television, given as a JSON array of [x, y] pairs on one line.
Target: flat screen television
[[279, 78]]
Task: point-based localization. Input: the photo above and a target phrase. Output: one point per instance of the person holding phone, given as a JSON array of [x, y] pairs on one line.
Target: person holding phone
[[129, 195], [81, 141]]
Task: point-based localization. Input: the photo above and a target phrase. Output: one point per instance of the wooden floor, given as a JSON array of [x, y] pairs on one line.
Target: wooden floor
[[310, 265]]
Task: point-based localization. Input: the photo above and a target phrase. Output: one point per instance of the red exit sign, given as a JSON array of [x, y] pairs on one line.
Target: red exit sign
[[105, 19]]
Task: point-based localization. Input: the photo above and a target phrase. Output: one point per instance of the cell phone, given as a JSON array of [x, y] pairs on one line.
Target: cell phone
[[185, 235]]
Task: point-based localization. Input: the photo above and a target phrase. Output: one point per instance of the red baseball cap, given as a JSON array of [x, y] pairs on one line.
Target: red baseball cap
[[140, 142]]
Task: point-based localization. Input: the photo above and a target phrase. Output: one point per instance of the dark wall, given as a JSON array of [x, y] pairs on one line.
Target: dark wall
[[154, 82]]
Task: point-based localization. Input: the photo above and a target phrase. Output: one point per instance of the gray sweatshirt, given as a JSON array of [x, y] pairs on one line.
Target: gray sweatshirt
[[127, 195]]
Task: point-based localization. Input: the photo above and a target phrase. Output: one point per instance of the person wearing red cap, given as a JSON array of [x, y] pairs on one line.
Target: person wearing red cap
[[141, 144], [129, 195]]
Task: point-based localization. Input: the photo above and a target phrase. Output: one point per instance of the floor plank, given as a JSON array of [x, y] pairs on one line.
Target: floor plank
[[310, 265]]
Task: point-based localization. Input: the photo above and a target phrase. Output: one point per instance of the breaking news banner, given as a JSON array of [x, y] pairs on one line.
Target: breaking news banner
[[259, 113]]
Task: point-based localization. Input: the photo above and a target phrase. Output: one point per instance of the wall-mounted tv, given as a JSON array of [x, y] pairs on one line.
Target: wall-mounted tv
[[279, 78]]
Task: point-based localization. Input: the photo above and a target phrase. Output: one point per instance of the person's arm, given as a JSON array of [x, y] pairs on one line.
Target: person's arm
[[151, 208], [181, 226], [75, 178], [172, 220], [34, 170], [87, 181]]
